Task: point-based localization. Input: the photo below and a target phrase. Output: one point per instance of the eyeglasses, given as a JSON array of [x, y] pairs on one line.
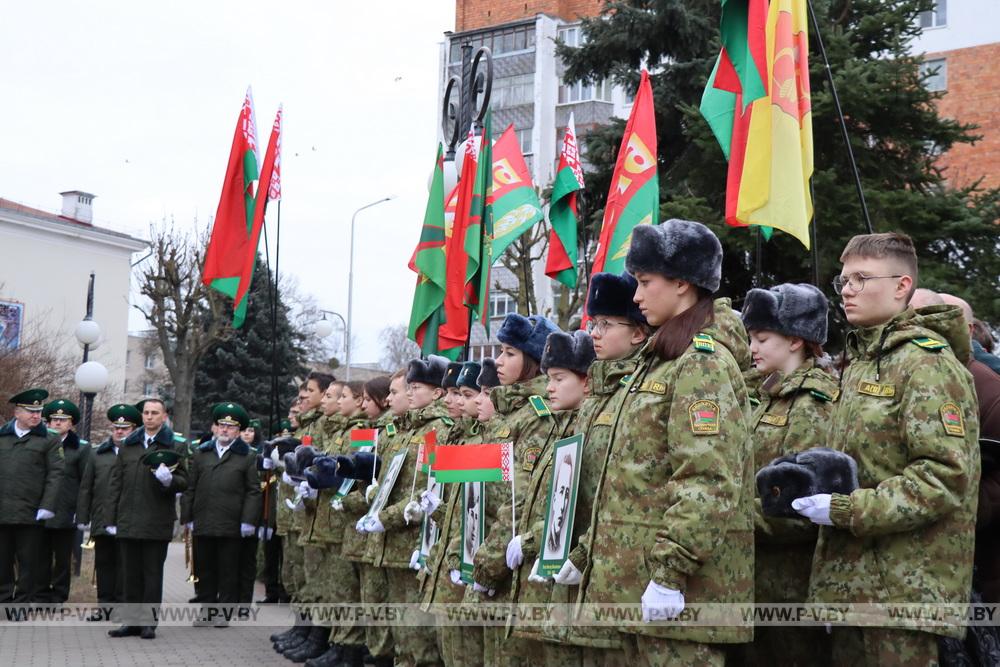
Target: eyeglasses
[[855, 281], [600, 327]]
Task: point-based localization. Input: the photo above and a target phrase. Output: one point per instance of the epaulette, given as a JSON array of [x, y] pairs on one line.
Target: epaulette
[[704, 343], [625, 380], [448, 421], [753, 401], [84, 442], [390, 429], [538, 403], [929, 343], [823, 396], [179, 437]]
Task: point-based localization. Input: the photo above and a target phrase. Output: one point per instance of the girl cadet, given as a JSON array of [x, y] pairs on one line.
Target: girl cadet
[[523, 419], [619, 330], [787, 326], [565, 362], [672, 522]]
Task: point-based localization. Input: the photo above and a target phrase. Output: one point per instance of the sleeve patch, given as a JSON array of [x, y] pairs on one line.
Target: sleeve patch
[[704, 417], [951, 417], [604, 419]]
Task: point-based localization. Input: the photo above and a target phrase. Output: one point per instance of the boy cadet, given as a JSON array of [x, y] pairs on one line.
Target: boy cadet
[[907, 415], [31, 466]]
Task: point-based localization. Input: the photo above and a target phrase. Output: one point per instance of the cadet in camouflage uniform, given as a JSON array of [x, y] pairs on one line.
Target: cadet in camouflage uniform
[[673, 519], [787, 326], [907, 415], [618, 329], [522, 418]]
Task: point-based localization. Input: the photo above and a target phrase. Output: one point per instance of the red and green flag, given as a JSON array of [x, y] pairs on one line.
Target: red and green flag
[[427, 454], [563, 215], [473, 463], [516, 207], [363, 437], [232, 238]]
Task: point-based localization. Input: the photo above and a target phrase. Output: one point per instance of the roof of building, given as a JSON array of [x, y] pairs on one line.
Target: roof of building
[[39, 214]]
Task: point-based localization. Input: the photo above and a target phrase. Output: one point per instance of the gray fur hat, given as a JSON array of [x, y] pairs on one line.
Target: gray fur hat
[[488, 377], [574, 351], [788, 309], [816, 470], [527, 334], [451, 375], [611, 295], [428, 371], [468, 377], [680, 249]]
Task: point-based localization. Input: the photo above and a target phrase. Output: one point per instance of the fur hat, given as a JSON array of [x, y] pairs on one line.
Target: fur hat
[[359, 466], [451, 375], [322, 474], [680, 249], [611, 295], [296, 462], [428, 371], [816, 470], [488, 377], [574, 351], [469, 376], [788, 309], [527, 334]]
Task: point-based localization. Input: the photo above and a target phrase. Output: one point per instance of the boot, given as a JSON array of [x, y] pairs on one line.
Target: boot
[[328, 659], [314, 646], [353, 656], [384, 661], [296, 638], [282, 636]]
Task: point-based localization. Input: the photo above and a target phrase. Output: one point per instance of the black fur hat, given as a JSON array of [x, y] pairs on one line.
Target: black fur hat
[[611, 295], [816, 470], [788, 309], [451, 375], [680, 249], [428, 371], [488, 377], [322, 474], [574, 351], [359, 466], [469, 376], [527, 334], [296, 462]]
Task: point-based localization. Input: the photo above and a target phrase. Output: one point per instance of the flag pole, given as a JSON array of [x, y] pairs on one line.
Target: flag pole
[[274, 318], [375, 452], [812, 235], [843, 123], [513, 500], [416, 467]]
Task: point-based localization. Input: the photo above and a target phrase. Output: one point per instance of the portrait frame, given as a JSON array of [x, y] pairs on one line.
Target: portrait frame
[[391, 474], [560, 508], [472, 532]]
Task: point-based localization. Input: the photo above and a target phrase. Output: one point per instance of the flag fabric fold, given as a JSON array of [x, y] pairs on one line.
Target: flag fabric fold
[[563, 215], [516, 207], [363, 437]]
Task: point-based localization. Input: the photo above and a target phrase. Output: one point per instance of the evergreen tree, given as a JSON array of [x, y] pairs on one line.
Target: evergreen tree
[[239, 368], [895, 131]]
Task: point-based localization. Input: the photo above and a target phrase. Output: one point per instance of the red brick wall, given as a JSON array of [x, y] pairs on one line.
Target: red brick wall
[[973, 97], [473, 14]]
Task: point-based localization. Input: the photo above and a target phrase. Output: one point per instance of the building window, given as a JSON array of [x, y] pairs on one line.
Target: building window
[[936, 73], [584, 92], [501, 305], [500, 42], [512, 91], [523, 139], [150, 361], [571, 36], [937, 17], [147, 389]]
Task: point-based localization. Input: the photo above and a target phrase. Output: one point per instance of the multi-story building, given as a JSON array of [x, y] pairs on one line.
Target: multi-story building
[[145, 373]]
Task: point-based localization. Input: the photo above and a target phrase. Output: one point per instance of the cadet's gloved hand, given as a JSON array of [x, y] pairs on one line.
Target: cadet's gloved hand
[[568, 575], [373, 525], [189, 526], [482, 589], [370, 491], [267, 463], [815, 508], [264, 533], [456, 577], [429, 501], [306, 491], [337, 505], [514, 554], [246, 530], [415, 560], [111, 530], [81, 526], [163, 474], [43, 515], [296, 506], [412, 512], [660, 603], [360, 525], [287, 480], [534, 576]]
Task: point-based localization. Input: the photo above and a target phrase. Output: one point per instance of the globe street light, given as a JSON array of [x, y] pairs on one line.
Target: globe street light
[[350, 283], [91, 377], [324, 327]]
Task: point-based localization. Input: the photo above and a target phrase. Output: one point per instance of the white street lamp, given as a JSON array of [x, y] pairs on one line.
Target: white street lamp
[[88, 332], [350, 282], [91, 377], [323, 328]]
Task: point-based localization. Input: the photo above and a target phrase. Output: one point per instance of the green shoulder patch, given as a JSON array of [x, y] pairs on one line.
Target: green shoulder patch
[[703, 342], [823, 396], [448, 421], [539, 406], [929, 343], [390, 429], [625, 380], [754, 401]]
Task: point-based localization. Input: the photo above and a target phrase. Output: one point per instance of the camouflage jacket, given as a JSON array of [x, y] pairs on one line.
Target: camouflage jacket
[[675, 497], [352, 546], [326, 526], [288, 520], [907, 414]]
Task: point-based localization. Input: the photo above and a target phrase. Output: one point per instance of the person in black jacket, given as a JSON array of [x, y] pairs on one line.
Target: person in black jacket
[[221, 507], [31, 466], [141, 513]]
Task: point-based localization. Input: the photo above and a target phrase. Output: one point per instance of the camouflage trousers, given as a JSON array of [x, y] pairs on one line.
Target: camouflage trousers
[[644, 651], [315, 581], [291, 565], [375, 590], [550, 654], [345, 587], [868, 647], [416, 645], [460, 645]]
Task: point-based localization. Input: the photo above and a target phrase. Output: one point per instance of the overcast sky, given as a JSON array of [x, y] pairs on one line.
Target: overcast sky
[[136, 102]]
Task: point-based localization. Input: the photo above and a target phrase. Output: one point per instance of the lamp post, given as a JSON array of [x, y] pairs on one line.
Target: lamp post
[[91, 376], [457, 118], [350, 283], [324, 327]]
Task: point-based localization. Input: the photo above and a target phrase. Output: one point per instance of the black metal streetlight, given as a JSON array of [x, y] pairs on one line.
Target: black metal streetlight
[[457, 118], [91, 376]]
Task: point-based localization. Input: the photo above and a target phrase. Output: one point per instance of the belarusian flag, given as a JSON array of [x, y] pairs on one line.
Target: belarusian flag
[[473, 463], [427, 454], [563, 216], [634, 198], [230, 241], [515, 203], [363, 437]]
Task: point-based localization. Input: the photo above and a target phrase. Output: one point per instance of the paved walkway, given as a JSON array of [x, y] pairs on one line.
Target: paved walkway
[[22, 645]]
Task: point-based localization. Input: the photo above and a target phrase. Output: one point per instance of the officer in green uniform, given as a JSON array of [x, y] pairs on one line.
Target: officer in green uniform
[[60, 534], [907, 415], [31, 468], [93, 503]]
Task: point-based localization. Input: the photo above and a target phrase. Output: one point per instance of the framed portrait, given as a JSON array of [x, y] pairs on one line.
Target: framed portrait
[[11, 323], [473, 524], [557, 537], [348, 484], [429, 530], [382, 495]]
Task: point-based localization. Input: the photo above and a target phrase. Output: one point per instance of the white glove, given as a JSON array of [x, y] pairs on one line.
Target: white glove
[[337, 505], [111, 530], [264, 533], [370, 491], [306, 491], [163, 475], [815, 508], [412, 512], [189, 526], [415, 560], [81, 526], [482, 589], [660, 603], [287, 480], [534, 576], [429, 502], [360, 525], [373, 525], [267, 463], [246, 530], [456, 577], [568, 575], [42, 515], [296, 506], [514, 555]]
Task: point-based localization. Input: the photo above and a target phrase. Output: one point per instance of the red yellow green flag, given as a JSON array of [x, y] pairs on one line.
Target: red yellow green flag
[[515, 203], [563, 216]]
